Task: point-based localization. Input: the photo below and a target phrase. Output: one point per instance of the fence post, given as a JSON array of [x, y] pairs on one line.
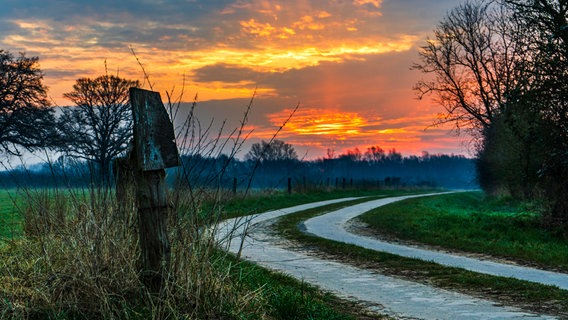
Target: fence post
[[234, 186], [289, 185], [154, 150]]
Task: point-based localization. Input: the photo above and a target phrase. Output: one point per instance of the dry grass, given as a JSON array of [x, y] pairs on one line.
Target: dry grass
[[80, 259]]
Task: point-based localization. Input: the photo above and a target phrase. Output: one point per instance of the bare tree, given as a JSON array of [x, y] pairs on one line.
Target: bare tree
[[26, 119], [375, 154], [99, 127], [479, 63], [473, 61], [275, 150]]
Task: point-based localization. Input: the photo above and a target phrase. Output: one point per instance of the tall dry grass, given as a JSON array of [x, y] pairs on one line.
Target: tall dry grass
[[80, 259]]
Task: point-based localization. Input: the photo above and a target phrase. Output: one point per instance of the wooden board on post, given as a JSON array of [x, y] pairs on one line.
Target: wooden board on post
[[154, 150], [154, 137]]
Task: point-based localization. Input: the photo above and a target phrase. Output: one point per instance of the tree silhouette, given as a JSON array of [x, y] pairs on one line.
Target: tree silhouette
[[275, 150], [26, 119], [99, 126], [547, 21], [480, 61]]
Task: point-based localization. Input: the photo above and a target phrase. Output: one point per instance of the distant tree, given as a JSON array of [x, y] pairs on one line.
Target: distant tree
[[99, 126], [354, 155], [375, 154], [26, 119], [330, 154], [275, 150]]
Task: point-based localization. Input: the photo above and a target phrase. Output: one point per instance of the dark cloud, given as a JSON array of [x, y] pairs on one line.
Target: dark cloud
[[227, 73]]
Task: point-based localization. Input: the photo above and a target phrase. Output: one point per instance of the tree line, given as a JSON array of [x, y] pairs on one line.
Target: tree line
[[374, 167], [500, 69], [259, 169]]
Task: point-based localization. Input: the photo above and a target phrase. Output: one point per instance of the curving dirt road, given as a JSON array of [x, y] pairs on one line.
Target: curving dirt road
[[250, 237]]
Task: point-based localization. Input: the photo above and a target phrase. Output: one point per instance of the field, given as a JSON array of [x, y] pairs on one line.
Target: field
[[10, 220], [233, 289], [473, 223]]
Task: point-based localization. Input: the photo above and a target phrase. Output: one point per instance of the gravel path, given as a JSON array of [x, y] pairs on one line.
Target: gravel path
[[403, 299], [333, 226]]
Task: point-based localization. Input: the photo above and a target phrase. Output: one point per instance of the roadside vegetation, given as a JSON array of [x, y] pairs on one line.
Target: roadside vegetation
[[472, 222]]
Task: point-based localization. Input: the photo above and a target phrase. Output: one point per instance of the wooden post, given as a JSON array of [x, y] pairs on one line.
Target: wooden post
[[152, 225], [154, 150], [289, 185], [234, 186]]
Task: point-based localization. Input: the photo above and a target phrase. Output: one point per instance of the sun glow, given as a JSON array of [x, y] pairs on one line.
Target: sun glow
[[339, 125]]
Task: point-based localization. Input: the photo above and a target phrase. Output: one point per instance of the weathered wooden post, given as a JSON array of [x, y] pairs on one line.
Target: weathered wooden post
[[154, 150]]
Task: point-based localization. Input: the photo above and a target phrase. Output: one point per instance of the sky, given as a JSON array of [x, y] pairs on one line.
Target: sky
[[345, 63]]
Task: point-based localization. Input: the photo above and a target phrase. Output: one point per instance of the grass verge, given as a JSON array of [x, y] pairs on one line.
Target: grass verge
[[523, 294], [10, 220], [474, 223]]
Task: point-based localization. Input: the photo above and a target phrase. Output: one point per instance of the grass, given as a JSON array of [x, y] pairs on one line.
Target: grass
[[531, 296], [10, 220], [474, 223], [262, 202], [78, 258]]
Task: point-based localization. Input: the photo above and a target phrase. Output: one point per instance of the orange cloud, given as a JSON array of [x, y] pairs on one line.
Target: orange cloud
[[317, 122], [319, 129], [256, 28], [375, 3]]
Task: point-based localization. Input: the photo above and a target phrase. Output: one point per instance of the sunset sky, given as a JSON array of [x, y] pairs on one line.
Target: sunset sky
[[345, 62]]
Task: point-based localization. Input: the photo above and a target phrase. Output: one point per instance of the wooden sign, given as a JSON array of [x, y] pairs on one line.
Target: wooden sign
[[154, 137]]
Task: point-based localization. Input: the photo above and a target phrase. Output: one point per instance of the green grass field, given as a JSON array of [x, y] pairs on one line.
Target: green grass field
[[80, 258], [10, 220], [474, 223]]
